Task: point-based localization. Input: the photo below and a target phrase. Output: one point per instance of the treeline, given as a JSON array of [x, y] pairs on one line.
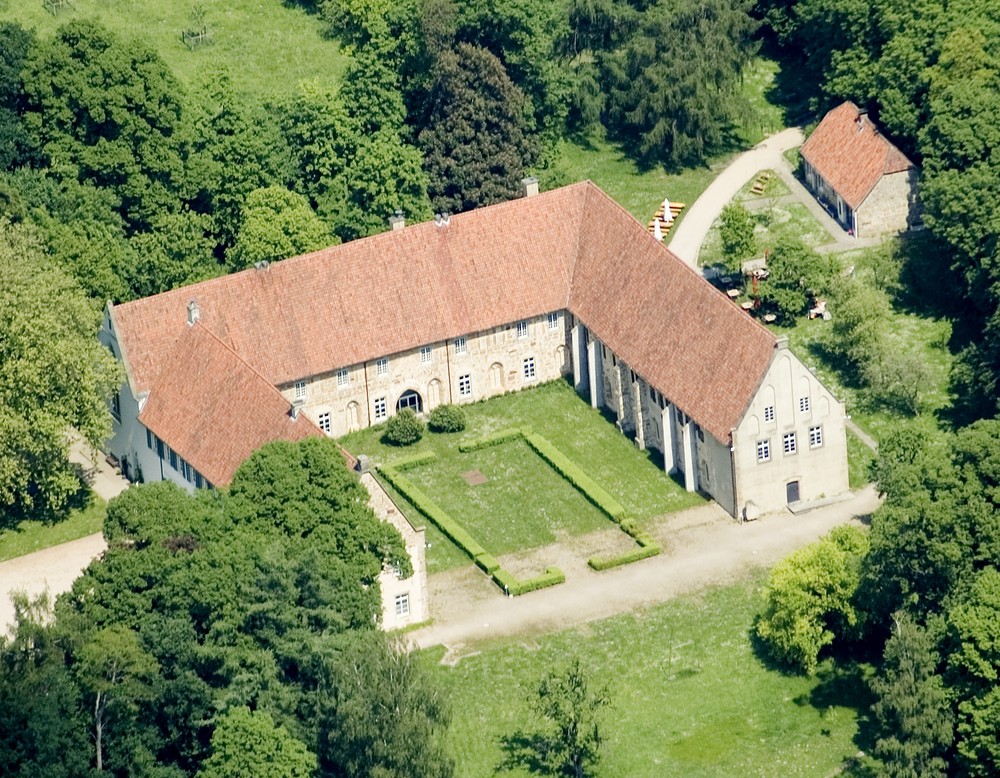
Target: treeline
[[920, 593], [137, 185], [225, 634], [929, 71]]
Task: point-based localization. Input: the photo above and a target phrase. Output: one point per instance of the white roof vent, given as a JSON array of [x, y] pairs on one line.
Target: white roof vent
[[194, 313]]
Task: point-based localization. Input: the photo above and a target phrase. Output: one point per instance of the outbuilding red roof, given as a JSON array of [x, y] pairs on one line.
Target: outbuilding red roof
[[851, 155], [572, 248]]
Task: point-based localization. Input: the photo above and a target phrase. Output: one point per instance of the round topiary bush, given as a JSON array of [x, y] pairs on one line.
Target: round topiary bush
[[404, 429], [447, 418]]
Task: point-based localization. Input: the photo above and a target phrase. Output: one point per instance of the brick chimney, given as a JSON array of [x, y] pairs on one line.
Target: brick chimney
[[397, 221]]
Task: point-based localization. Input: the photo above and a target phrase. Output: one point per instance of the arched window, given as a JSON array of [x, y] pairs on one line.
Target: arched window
[[410, 399]]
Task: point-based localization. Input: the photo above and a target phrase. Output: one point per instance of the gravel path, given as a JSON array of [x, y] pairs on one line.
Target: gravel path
[[703, 547]]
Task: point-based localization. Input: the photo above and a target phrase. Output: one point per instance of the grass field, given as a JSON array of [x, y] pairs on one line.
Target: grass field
[[31, 536], [555, 411], [523, 504], [689, 696], [267, 46], [776, 221]]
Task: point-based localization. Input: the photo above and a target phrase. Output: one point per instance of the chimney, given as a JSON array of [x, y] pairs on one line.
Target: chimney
[[862, 116], [194, 313], [442, 219], [397, 221], [530, 186], [262, 265], [297, 405]]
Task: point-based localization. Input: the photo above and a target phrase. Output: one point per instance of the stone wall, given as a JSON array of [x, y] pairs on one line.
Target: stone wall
[[891, 206]]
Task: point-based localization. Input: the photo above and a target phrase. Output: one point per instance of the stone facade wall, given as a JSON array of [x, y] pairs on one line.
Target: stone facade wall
[[790, 402], [494, 362], [404, 600], [891, 206]]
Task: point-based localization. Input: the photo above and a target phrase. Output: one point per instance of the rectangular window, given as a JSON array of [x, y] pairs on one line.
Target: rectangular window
[[173, 459], [465, 385], [198, 481], [149, 440], [522, 329], [382, 367], [763, 450], [529, 369], [186, 470], [553, 321], [769, 413], [343, 377], [815, 437], [652, 394], [324, 422], [116, 406], [403, 604], [461, 346], [380, 409], [804, 404], [789, 443], [425, 354], [300, 390], [159, 447], [633, 376]]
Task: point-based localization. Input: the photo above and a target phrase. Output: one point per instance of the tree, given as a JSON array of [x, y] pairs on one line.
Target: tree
[[276, 224], [54, 376], [115, 672], [737, 233], [912, 711], [108, 112], [379, 715], [15, 43], [250, 743], [673, 90], [810, 599], [475, 141], [571, 709], [796, 273]]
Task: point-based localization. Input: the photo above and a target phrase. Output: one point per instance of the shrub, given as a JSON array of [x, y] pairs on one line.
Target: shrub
[[579, 479], [516, 587], [404, 429], [447, 418], [487, 563], [410, 462]]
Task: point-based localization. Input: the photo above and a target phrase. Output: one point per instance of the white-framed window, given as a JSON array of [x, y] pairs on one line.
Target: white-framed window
[[804, 404], [522, 329], [769, 413], [815, 437], [300, 390], [426, 354], [382, 366], [461, 346], [324, 422], [529, 369], [465, 385], [763, 450], [403, 604], [116, 406], [789, 444], [380, 411], [343, 377], [173, 459], [553, 321]]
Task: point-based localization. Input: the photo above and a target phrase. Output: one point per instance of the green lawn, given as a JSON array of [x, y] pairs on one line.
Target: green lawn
[[523, 504], [269, 47], [859, 461], [776, 221], [31, 536], [555, 411], [689, 696]]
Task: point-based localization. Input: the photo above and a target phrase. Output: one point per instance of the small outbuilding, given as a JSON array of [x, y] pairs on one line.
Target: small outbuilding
[[866, 183]]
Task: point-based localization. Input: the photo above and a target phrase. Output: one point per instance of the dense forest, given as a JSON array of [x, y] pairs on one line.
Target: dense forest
[[244, 621]]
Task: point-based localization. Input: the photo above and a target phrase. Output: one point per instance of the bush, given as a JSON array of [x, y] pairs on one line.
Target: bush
[[487, 563], [404, 429], [410, 462], [447, 418], [516, 587]]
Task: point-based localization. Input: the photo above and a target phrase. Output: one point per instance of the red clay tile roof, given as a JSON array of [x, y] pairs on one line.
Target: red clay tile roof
[[213, 409], [687, 339], [851, 155], [572, 248]]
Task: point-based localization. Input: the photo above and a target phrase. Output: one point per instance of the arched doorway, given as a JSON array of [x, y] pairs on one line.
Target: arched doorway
[[410, 399], [433, 394], [496, 376]]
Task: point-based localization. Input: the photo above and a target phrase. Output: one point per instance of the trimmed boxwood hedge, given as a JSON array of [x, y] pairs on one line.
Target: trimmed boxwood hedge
[[643, 552], [586, 485], [455, 531], [516, 587], [446, 418], [487, 563], [417, 460], [503, 436]]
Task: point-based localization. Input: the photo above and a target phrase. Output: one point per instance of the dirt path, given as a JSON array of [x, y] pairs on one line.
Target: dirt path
[[703, 547]]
